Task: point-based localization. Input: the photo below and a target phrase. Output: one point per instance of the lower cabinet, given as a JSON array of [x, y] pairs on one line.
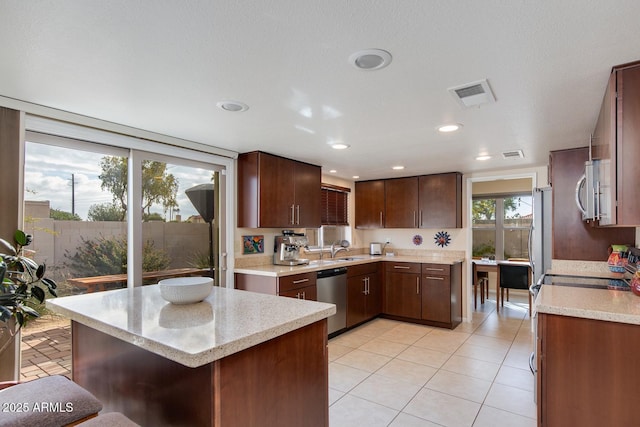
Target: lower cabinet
[[301, 286], [587, 374], [364, 293], [402, 290], [442, 294], [425, 293]]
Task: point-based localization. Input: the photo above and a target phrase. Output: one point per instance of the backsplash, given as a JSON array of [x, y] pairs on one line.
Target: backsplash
[[258, 260], [592, 267]]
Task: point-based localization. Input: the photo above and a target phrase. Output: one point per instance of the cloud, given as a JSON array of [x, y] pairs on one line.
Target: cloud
[[48, 172]]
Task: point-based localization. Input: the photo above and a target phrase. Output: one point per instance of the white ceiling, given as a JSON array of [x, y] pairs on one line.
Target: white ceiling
[[163, 65]]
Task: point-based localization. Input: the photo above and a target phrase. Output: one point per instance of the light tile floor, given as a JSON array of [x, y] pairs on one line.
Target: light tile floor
[[388, 373]]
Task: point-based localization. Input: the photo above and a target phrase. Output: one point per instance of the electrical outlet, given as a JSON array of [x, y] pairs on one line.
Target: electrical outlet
[[387, 240]]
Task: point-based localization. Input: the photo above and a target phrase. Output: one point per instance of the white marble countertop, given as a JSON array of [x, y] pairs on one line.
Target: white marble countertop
[[226, 322], [598, 304], [317, 265]]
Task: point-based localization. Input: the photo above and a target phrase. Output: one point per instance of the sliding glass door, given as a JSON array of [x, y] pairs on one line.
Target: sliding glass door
[[106, 217]]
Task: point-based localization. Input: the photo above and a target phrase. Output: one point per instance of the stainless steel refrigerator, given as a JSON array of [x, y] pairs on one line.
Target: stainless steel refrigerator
[[540, 233]]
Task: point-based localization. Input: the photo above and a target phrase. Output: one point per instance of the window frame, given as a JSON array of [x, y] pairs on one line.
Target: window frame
[[52, 132], [499, 228]]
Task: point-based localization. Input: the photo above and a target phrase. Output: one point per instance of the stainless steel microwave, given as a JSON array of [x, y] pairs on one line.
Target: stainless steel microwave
[[588, 191]]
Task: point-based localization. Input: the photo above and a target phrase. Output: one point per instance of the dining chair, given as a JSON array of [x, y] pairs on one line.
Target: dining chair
[[483, 284], [47, 401], [514, 277]]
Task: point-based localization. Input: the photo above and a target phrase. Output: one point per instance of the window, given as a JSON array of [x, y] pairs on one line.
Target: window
[[505, 235], [335, 207]]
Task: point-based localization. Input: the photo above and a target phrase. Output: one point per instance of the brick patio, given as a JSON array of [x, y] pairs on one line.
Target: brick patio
[[46, 348]]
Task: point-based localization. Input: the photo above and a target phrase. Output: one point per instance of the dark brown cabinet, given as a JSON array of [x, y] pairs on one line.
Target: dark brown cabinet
[[402, 290], [401, 203], [442, 294], [364, 293], [424, 293], [277, 192], [572, 238], [616, 142], [427, 201], [301, 286], [369, 207], [586, 372], [440, 201]]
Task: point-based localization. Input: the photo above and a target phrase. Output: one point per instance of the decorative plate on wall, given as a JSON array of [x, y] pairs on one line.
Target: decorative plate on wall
[[442, 238], [417, 240]]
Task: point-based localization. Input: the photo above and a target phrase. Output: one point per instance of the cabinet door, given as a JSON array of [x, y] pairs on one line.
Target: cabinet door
[[401, 203], [440, 199], [276, 188], [603, 143], [374, 297], [309, 293], [628, 146], [356, 300], [369, 204], [436, 298], [402, 295], [308, 199]]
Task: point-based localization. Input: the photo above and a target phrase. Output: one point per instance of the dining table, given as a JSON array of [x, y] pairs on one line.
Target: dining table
[[491, 266]]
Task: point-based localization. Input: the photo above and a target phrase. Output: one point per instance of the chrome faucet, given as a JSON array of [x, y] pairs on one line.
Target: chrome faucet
[[335, 250]]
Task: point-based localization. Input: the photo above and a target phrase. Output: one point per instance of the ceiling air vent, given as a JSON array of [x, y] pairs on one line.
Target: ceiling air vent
[[513, 154], [473, 94]]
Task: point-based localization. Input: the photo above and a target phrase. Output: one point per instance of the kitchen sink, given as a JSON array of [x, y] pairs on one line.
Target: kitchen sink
[[351, 258]]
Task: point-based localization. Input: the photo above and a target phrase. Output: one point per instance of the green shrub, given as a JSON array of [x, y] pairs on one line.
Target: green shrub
[[103, 256], [483, 249]]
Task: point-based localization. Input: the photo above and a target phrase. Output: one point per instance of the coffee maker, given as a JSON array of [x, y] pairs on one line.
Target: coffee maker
[[287, 248]]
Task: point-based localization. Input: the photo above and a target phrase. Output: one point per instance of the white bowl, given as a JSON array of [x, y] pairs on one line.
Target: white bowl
[[185, 290]]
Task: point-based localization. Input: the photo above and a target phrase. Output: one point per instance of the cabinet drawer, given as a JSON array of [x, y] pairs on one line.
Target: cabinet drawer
[[360, 269], [436, 269], [402, 267], [296, 281]]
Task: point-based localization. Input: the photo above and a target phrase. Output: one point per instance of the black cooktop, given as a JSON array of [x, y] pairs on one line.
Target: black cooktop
[[581, 282]]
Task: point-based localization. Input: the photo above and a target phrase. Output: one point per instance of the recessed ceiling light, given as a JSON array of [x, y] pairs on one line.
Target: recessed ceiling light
[[339, 145], [333, 171], [397, 168], [452, 127], [370, 59], [483, 157], [355, 176], [232, 106]]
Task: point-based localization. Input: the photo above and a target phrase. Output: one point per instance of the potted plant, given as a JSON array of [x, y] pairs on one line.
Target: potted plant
[[22, 287]]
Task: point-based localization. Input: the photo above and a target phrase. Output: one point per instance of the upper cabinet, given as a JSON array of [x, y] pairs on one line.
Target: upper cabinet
[[277, 192], [369, 197], [616, 144], [428, 201], [401, 202], [441, 201]]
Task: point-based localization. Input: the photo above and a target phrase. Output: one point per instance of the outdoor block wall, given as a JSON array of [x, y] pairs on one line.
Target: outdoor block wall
[[53, 238]]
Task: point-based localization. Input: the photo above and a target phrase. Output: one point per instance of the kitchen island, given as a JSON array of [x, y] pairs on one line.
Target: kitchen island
[[236, 358], [587, 340]]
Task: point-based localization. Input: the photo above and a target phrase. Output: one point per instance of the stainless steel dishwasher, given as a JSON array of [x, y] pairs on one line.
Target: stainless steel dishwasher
[[332, 288]]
